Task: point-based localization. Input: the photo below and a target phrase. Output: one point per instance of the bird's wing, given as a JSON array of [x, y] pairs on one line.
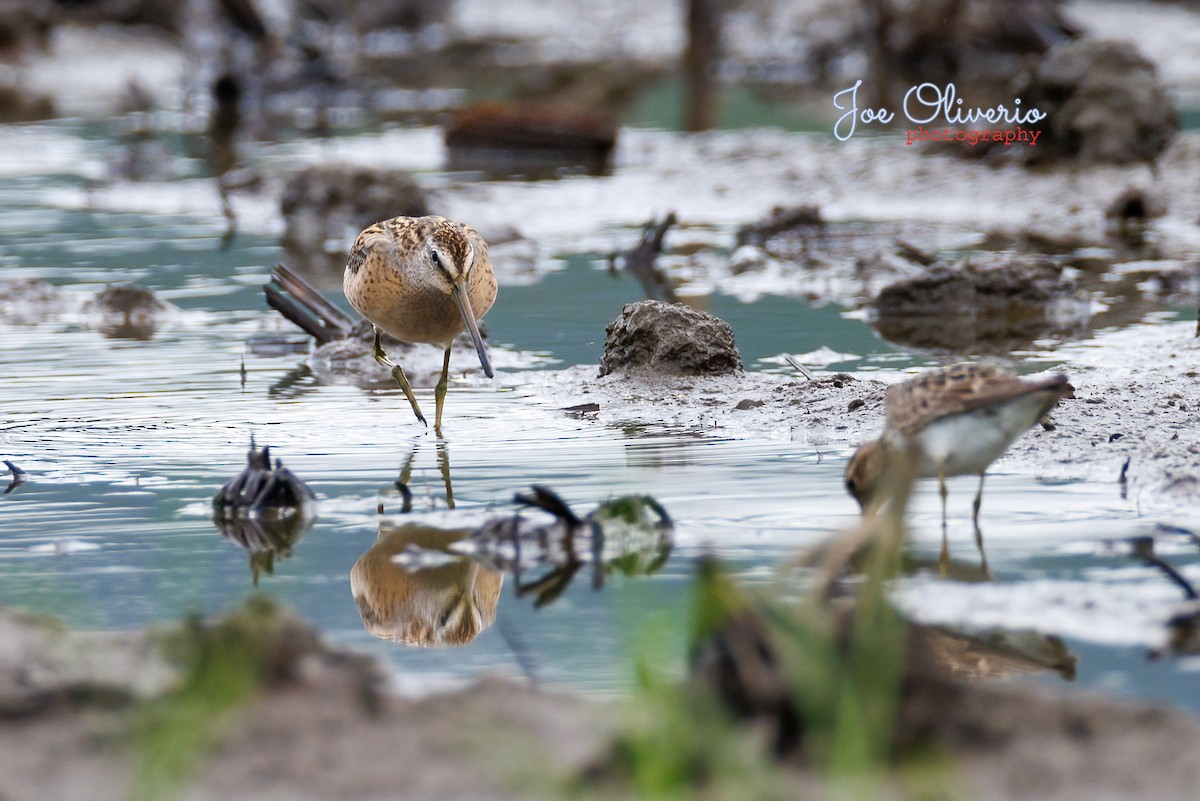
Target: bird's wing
[[956, 389]]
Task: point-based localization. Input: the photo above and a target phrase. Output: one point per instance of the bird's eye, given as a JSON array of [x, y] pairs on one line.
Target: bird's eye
[[435, 258], [852, 487]]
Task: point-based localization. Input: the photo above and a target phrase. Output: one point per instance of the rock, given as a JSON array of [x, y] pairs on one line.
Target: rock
[[1104, 102], [959, 40], [24, 27], [27, 301], [325, 207], [1128, 216], [123, 311], [669, 339], [516, 137], [792, 221], [164, 15], [985, 302], [375, 15]]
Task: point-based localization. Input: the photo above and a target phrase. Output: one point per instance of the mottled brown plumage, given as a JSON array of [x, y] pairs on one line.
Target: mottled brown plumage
[[421, 279], [950, 421], [958, 388]]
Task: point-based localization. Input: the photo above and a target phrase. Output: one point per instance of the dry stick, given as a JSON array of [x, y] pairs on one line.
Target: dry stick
[[18, 477], [641, 260], [300, 302], [800, 368]]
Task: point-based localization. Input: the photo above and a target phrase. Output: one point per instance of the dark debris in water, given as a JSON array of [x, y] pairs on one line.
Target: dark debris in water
[[1182, 627], [124, 311], [792, 221], [630, 534], [18, 477], [261, 487], [642, 260], [265, 509], [424, 586], [301, 303]]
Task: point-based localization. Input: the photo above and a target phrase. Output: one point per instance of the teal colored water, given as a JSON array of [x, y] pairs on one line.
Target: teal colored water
[[125, 442]]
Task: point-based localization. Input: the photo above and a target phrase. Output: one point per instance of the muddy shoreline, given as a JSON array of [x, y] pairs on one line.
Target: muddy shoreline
[[1136, 398], [317, 726], [317, 721]]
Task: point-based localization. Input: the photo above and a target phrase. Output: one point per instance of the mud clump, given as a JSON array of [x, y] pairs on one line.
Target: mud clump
[[669, 339], [1103, 102], [986, 302], [522, 137], [127, 312], [794, 221], [27, 301], [325, 206]]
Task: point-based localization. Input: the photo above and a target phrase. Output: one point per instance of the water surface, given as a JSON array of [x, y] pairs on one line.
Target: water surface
[[125, 442]]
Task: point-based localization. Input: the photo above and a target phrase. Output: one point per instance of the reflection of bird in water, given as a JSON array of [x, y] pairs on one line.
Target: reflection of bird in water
[[444, 604], [951, 421], [421, 279]]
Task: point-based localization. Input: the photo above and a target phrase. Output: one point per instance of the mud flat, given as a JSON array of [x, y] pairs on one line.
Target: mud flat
[[1136, 397]]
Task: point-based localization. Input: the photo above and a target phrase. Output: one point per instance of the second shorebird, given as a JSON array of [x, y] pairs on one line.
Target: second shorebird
[[421, 279], [952, 421]]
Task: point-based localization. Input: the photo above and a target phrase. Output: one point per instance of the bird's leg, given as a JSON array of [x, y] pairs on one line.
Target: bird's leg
[[978, 531], [378, 353], [944, 558], [398, 375], [443, 460], [439, 392], [403, 481], [978, 501]]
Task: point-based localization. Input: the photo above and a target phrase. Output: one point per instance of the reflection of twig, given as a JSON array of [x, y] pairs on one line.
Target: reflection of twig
[[548, 501], [230, 217], [618, 535], [18, 477], [1123, 479], [641, 260], [520, 650], [551, 585], [914, 253], [1143, 549]]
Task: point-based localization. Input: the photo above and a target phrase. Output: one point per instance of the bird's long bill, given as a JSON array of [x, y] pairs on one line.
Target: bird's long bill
[[468, 315]]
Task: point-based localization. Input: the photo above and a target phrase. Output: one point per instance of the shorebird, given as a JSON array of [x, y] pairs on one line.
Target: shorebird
[[952, 421], [421, 279]]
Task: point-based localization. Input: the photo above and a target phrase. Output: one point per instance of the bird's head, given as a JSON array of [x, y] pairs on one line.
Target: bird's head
[[864, 471], [452, 257]]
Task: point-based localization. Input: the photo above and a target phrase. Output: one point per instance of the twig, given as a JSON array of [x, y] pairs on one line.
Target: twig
[[641, 260]]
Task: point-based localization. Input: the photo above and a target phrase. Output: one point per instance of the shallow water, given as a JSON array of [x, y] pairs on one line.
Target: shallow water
[[125, 442]]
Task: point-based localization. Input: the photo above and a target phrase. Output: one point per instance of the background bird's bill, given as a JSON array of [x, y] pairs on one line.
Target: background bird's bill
[[468, 315]]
